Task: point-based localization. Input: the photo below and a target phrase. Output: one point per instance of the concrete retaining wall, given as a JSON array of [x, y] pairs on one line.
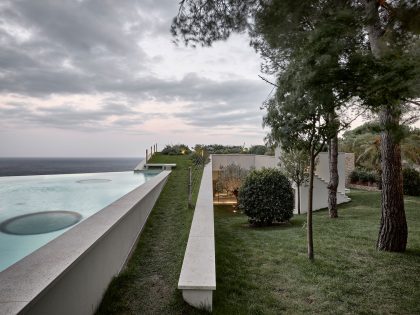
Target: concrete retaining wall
[[350, 165], [266, 161], [246, 161], [198, 273], [70, 274], [323, 169], [321, 179]]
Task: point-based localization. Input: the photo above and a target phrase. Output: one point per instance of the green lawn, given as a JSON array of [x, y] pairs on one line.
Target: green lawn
[[149, 283], [266, 270]]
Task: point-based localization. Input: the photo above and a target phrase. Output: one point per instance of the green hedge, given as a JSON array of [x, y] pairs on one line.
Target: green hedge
[[411, 182], [363, 176]]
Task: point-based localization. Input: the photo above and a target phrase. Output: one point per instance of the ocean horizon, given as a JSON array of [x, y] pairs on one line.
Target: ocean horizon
[[21, 166]]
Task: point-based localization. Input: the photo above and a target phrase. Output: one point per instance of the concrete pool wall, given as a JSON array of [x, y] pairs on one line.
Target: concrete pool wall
[[70, 274]]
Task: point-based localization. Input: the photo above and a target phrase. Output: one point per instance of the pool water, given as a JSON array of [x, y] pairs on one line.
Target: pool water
[[36, 209]]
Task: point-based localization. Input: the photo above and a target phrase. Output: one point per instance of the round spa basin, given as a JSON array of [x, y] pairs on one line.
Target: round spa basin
[[40, 222]]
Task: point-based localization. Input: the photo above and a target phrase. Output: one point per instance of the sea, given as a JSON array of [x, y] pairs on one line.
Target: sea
[[47, 166]]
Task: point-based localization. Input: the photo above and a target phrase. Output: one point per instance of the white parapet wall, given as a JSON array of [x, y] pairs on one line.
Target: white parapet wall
[[70, 274], [266, 161], [320, 199], [198, 274], [321, 179], [246, 161], [323, 169]]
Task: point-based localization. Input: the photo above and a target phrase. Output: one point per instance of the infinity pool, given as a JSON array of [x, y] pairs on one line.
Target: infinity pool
[[36, 209]]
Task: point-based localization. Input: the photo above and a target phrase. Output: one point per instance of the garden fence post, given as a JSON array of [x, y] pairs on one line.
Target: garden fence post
[[190, 187]]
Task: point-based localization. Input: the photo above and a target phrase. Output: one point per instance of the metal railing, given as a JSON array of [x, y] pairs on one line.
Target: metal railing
[[153, 150]]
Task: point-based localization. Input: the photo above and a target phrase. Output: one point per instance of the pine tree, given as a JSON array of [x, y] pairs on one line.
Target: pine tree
[[380, 71]]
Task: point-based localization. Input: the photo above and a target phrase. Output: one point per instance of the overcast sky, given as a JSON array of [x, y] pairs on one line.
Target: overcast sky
[[103, 78]]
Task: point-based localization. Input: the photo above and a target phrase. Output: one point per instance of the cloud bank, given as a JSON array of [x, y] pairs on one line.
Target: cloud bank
[[98, 65]]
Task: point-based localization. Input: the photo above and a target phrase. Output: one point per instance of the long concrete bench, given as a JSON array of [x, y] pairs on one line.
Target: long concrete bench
[[198, 274]]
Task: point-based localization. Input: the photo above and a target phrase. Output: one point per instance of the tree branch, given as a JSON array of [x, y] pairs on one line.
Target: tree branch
[[411, 101], [348, 123], [181, 6], [264, 79]]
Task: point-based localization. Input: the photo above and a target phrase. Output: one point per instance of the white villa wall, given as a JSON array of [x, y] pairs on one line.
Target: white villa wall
[[320, 196], [320, 200], [341, 172], [265, 161], [246, 161], [70, 274], [322, 169], [322, 166]]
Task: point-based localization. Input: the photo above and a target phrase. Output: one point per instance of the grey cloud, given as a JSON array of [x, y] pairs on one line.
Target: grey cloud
[[195, 89], [66, 116], [88, 36], [89, 47], [210, 103], [219, 116]]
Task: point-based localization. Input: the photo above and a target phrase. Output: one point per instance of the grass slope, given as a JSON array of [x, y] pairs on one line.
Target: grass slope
[[149, 283], [266, 270]]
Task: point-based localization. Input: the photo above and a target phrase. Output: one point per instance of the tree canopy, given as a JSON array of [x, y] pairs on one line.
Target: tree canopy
[[326, 55], [364, 142]]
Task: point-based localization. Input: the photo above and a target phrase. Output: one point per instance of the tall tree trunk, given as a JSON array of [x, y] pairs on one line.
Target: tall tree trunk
[[298, 193], [393, 227], [333, 184], [310, 204], [393, 231]]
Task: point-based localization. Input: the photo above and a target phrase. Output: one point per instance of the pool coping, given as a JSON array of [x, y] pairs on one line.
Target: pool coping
[[24, 282]]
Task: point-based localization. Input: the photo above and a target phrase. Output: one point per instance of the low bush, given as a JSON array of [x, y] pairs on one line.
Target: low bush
[[363, 176], [257, 149], [220, 149], [411, 182], [354, 176], [266, 196], [177, 149], [371, 177]]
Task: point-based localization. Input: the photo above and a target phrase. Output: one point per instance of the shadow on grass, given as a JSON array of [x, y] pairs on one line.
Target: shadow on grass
[[411, 252], [242, 220], [273, 227]]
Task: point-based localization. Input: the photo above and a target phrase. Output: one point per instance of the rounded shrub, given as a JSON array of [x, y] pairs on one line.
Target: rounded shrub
[[266, 196], [411, 182], [354, 176], [363, 176]]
